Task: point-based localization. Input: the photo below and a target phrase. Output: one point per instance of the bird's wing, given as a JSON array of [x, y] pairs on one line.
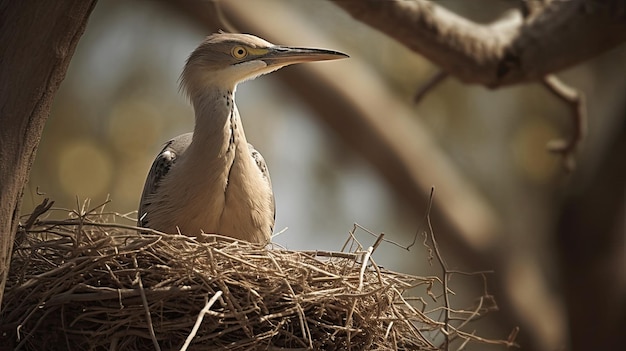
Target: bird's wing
[[260, 162], [160, 167]]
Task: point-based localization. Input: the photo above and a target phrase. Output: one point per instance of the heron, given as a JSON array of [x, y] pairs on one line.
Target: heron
[[212, 180]]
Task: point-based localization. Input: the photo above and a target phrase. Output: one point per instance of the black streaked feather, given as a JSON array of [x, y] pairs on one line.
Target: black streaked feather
[[160, 167], [260, 162]]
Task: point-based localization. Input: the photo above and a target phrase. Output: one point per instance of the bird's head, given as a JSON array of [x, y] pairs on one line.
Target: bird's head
[[225, 59]]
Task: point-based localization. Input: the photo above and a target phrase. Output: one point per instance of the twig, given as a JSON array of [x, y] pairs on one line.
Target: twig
[[507, 343], [432, 83], [334, 254], [34, 329], [378, 241], [366, 259], [575, 100], [426, 218], [42, 208], [475, 313], [110, 294], [304, 326], [196, 326], [285, 290], [144, 299], [444, 268], [513, 336], [379, 237]]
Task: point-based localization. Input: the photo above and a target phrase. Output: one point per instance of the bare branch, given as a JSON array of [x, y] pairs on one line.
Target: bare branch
[[146, 307], [42, 208], [445, 274], [509, 51], [431, 84], [576, 102], [196, 326]]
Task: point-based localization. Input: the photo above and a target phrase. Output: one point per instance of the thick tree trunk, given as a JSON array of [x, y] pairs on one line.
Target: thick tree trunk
[[38, 40]]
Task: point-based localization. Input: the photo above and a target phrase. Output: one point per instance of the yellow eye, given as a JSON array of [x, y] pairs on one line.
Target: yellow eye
[[239, 52]]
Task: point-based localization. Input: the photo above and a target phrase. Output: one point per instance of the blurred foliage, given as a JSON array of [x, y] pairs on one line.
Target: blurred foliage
[[119, 104]]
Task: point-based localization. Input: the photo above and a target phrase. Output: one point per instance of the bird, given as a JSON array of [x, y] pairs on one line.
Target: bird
[[211, 180]]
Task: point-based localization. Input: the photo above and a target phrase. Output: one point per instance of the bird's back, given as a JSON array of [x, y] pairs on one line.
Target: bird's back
[[159, 169]]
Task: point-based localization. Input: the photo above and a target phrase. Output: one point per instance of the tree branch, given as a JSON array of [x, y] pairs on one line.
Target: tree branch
[[509, 51], [575, 100], [431, 84]]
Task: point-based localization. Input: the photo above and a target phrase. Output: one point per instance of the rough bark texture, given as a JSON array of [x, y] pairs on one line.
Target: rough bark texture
[[38, 40], [509, 51]]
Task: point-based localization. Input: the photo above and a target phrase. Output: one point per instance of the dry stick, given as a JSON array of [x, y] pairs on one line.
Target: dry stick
[[453, 271], [233, 305], [425, 219], [513, 335], [433, 82], [332, 254], [507, 343], [349, 322], [463, 344], [64, 328], [575, 100], [412, 327], [414, 311], [379, 274], [475, 313], [306, 331], [35, 327], [109, 225], [42, 208], [361, 295], [366, 259], [395, 277], [145, 306], [378, 241], [379, 237], [282, 314], [388, 330], [23, 321], [350, 237], [196, 326], [442, 263]]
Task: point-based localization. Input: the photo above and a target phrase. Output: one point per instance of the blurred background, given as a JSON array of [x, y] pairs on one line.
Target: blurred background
[[483, 150]]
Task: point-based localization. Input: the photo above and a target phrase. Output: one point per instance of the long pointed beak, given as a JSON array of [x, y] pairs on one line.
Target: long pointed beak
[[285, 55]]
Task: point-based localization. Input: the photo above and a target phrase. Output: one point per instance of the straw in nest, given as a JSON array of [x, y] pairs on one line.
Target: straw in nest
[[81, 284]]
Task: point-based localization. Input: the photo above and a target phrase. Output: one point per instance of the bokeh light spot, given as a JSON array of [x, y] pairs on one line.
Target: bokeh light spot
[[133, 127], [84, 169], [531, 155]]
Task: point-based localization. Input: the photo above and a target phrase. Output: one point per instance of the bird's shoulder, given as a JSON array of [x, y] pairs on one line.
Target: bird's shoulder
[[168, 155], [260, 161], [160, 168]]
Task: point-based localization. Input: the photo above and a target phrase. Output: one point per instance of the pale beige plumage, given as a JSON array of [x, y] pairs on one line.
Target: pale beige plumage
[[212, 180]]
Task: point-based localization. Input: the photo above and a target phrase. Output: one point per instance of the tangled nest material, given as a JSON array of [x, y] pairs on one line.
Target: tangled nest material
[[82, 284]]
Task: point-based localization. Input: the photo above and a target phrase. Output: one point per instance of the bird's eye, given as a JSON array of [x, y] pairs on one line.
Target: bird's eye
[[239, 52]]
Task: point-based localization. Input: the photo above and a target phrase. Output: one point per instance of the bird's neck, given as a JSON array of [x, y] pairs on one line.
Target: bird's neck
[[218, 127]]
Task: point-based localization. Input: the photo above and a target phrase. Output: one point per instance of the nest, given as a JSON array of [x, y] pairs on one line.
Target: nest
[[81, 284]]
